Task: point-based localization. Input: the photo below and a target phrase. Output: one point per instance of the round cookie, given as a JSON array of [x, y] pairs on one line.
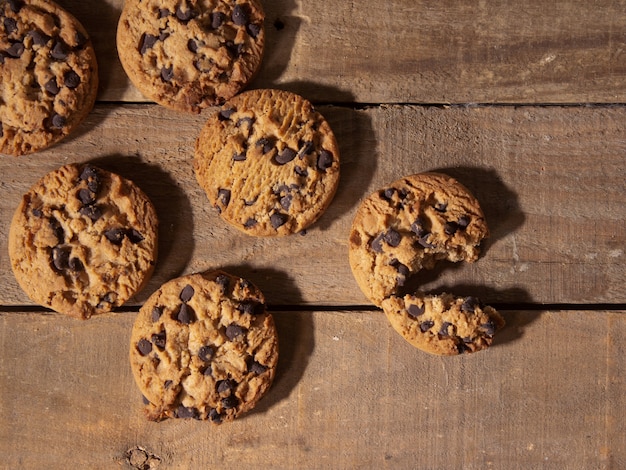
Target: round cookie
[[48, 75], [410, 225], [191, 54], [443, 324], [268, 162], [83, 240], [203, 346]]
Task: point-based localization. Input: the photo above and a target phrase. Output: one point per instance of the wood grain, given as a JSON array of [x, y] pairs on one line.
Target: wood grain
[[432, 51], [552, 182], [349, 393]]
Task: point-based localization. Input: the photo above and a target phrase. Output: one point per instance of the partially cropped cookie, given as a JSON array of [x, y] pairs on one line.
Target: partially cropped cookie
[[191, 54], [203, 346], [48, 75], [268, 162], [410, 225], [83, 240], [443, 324]]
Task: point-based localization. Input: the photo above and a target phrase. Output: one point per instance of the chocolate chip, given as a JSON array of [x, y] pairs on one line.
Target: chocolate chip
[[186, 314], [255, 367], [285, 201], [39, 38], [81, 40], [253, 29], [89, 173], [266, 143], [278, 219], [426, 325], [424, 243], [306, 147], [233, 331], [463, 348], [144, 347], [93, 212], [251, 307], [58, 121], [187, 293], [417, 228], [214, 416], [115, 235], [240, 15], [450, 228], [167, 384], [392, 237], [159, 340], [186, 15], [134, 236], [444, 330], [377, 243], [301, 171], [86, 196], [230, 402], [325, 160], [223, 281], [415, 310], [37, 212], [59, 51], [403, 271], [15, 50], [251, 222], [285, 156], [441, 206], [489, 327], [156, 313], [469, 304], [225, 114], [223, 195], [146, 42], [52, 87], [463, 222], [60, 258], [75, 265], [208, 371], [15, 5], [56, 227], [10, 25], [217, 19], [206, 353], [185, 412], [226, 385], [164, 13], [247, 121], [167, 73], [239, 157], [233, 48]]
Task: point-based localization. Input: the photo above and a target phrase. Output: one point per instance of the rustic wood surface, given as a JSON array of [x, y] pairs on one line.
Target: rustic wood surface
[[523, 102]]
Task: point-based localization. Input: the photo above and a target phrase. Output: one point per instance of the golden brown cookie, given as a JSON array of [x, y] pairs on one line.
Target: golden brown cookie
[[191, 54], [203, 346], [83, 240], [48, 75], [409, 226], [268, 162], [443, 324]]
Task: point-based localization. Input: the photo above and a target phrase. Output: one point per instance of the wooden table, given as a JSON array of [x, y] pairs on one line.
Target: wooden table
[[522, 101]]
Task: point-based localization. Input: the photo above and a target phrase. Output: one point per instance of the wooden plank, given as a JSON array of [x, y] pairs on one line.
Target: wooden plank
[[557, 220], [349, 393], [443, 51]]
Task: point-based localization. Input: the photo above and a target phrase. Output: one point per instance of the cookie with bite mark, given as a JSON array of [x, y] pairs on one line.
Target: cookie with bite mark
[[83, 240], [410, 225], [203, 346]]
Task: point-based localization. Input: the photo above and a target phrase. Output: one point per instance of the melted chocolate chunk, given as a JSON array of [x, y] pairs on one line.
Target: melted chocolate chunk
[[187, 293], [206, 353], [285, 156], [489, 327], [266, 143], [255, 367], [59, 51], [463, 222], [58, 121], [146, 42], [233, 331], [392, 237], [233, 48], [253, 29], [225, 114], [186, 314], [239, 157], [156, 313], [184, 15], [278, 219], [306, 148], [60, 258], [75, 265], [115, 235], [15, 50], [325, 160], [39, 38], [469, 304], [159, 339], [144, 347], [426, 325], [450, 228], [240, 15], [223, 281], [417, 227], [301, 171], [285, 201], [15, 5], [164, 13], [415, 310], [223, 195], [56, 227], [10, 25], [225, 386], [92, 212], [462, 347], [192, 45], [377, 243], [167, 73], [230, 402], [71, 79], [217, 19], [251, 222], [424, 243], [134, 236], [52, 87], [185, 412], [215, 416], [403, 271], [445, 329], [86, 196], [251, 307], [441, 207]]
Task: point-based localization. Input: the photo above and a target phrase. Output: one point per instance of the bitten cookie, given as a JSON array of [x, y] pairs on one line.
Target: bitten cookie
[[410, 225], [268, 162], [443, 324], [83, 240], [191, 54], [48, 75], [203, 346]]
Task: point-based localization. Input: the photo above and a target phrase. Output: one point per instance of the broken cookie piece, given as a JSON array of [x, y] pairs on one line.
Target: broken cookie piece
[[83, 240], [214, 362]]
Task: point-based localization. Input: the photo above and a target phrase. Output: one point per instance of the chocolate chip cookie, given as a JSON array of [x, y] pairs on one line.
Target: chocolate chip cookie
[[268, 162], [48, 75], [203, 346], [443, 324], [191, 54], [409, 226], [83, 240]]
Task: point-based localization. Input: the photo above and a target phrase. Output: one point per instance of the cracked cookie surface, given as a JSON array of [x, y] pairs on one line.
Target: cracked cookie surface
[[48, 75], [83, 240], [191, 54], [268, 162], [203, 346], [410, 225], [443, 324]]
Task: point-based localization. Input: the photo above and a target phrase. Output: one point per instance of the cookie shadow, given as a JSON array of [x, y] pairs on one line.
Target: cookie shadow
[[173, 209]]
